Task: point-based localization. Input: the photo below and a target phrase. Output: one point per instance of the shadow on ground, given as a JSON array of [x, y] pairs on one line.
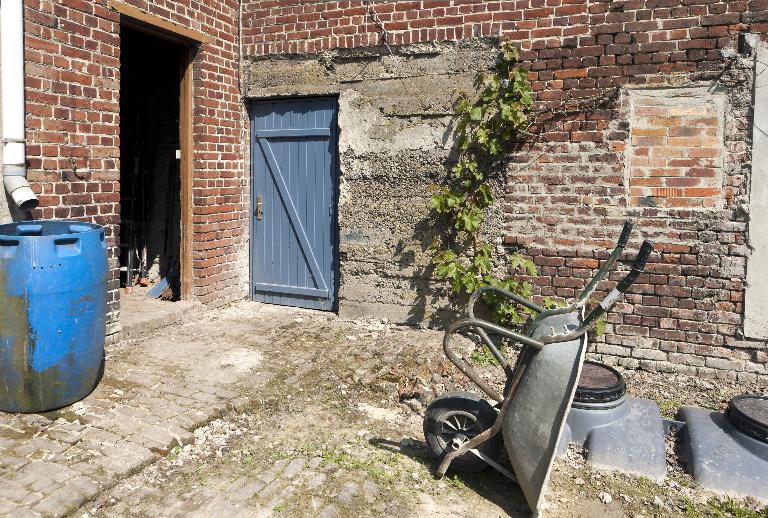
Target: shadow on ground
[[489, 484]]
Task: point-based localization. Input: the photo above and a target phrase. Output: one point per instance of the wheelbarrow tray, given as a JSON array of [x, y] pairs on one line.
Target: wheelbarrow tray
[[539, 407]]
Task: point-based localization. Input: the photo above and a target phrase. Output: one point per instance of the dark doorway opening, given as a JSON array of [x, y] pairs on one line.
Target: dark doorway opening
[[150, 150]]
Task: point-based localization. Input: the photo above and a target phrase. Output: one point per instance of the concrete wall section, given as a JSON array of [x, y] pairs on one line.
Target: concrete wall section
[[756, 297], [395, 140]]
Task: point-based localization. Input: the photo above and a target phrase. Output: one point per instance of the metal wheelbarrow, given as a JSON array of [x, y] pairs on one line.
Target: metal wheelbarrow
[[463, 429]]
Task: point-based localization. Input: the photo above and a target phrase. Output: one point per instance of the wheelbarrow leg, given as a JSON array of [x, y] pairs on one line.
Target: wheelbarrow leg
[[487, 434], [495, 465]]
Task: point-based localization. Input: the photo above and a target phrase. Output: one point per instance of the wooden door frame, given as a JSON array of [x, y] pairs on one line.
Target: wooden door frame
[[186, 145], [189, 40]]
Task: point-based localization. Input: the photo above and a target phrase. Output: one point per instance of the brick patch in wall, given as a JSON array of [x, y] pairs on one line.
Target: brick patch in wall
[[676, 149]]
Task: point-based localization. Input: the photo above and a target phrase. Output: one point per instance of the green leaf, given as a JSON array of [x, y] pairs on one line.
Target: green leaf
[[485, 194], [600, 327], [438, 203], [482, 136], [482, 263], [470, 282], [510, 52], [467, 220], [462, 106], [493, 146], [482, 130]]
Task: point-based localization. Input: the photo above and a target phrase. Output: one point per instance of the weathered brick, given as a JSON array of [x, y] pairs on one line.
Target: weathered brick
[[724, 364], [72, 103], [687, 359], [680, 179], [649, 354], [613, 350]]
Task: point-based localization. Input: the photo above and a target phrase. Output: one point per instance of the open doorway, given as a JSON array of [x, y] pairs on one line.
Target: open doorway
[[150, 178]]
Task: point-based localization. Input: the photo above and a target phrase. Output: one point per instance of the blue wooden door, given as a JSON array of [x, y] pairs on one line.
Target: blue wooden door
[[294, 185]]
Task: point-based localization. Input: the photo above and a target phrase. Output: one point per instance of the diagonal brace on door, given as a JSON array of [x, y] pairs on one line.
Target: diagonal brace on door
[[293, 215]]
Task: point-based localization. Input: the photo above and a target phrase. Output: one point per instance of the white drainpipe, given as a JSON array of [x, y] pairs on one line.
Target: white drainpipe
[[12, 84]]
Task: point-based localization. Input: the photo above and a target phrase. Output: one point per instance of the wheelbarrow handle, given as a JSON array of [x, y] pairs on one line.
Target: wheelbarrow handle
[[481, 327], [608, 264], [625, 233], [480, 331], [505, 293], [584, 296], [607, 303], [642, 256]]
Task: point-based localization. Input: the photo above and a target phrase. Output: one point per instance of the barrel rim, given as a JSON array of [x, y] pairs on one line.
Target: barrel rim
[[94, 227]]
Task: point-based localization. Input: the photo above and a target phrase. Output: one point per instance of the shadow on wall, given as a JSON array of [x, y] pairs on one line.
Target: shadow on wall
[[430, 292], [435, 293]]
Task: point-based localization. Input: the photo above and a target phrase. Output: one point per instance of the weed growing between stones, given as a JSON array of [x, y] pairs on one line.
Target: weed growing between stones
[[668, 407], [725, 508]]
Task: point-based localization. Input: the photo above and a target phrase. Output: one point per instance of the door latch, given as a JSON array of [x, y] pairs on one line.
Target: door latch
[[259, 208]]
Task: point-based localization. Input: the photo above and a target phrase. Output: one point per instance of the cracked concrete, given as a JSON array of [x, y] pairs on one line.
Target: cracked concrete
[[395, 141]]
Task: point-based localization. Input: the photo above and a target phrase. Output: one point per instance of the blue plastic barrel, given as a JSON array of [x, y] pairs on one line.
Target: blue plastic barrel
[[53, 306]]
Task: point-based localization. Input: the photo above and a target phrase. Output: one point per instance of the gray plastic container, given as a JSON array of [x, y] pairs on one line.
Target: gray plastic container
[[626, 435], [721, 457]]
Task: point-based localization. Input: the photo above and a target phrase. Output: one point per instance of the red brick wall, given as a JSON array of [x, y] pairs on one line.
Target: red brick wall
[[687, 313], [695, 27], [569, 190], [567, 193], [73, 85], [291, 26]]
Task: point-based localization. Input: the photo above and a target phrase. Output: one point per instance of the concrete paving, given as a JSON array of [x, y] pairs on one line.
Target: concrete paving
[[140, 315], [145, 405], [251, 410], [256, 410]]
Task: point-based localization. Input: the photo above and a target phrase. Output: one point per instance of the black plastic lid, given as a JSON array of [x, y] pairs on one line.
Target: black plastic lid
[[599, 384], [749, 413]]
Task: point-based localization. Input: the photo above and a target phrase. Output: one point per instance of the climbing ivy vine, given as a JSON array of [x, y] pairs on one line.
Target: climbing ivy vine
[[484, 130]]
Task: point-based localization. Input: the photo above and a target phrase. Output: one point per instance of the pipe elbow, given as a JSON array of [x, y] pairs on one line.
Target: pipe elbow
[[20, 191]]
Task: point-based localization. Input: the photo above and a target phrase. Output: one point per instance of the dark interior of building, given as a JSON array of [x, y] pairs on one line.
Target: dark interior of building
[[149, 172]]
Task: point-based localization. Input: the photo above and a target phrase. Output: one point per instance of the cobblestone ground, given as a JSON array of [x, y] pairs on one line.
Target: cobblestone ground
[[256, 410], [247, 411]]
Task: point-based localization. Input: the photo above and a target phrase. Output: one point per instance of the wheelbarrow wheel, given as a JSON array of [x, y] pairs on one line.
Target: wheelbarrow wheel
[[456, 417]]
